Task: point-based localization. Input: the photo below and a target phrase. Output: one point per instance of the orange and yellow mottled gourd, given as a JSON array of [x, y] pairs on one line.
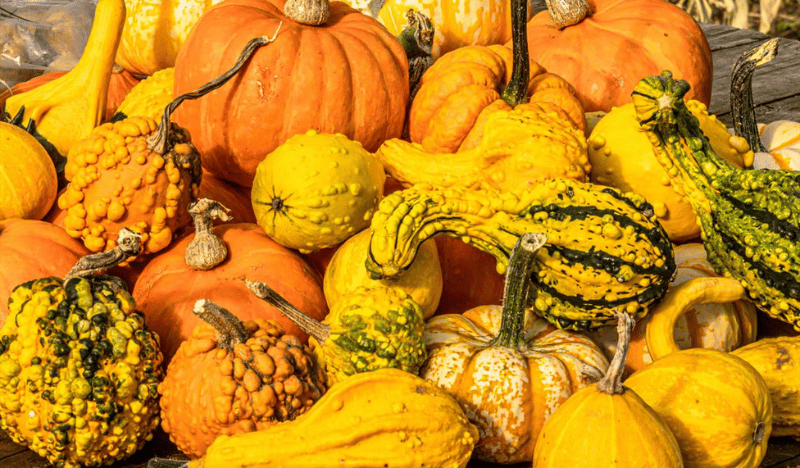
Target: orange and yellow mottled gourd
[[387, 417], [508, 369], [231, 377]]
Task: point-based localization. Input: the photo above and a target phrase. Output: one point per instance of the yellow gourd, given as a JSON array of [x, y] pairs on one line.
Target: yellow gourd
[[28, 181], [65, 110], [387, 417], [149, 97]]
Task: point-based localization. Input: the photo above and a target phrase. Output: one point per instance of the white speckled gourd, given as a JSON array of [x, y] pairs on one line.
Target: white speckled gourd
[[316, 190], [508, 369]]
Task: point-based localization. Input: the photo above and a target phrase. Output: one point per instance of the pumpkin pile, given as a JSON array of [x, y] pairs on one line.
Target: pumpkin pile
[[317, 234]]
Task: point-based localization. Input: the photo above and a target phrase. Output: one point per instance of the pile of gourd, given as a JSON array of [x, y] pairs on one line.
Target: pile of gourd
[[306, 233]]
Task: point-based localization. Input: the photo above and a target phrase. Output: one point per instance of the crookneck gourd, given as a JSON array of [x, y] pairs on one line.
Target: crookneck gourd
[[79, 369], [750, 219], [368, 328], [605, 248]]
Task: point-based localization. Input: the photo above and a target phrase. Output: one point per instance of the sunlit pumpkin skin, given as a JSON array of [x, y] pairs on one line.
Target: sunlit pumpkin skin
[[716, 404], [155, 30], [121, 83], [723, 325], [28, 180], [167, 288], [310, 77], [346, 271], [117, 180], [469, 277], [620, 42], [31, 249], [461, 86]]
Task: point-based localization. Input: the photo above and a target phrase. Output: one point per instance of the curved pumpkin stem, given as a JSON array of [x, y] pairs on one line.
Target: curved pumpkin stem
[[611, 383], [320, 331], [157, 142], [517, 288], [516, 91], [230, 330], [742, 107], [417, 41], [128, 245]]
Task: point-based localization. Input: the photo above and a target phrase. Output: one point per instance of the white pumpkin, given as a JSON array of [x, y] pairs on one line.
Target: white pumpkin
[[782, 141]]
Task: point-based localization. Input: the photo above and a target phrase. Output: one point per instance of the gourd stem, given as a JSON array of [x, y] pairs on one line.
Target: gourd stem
[[206, 250], [742, 107], [230, 330], [158, 141], [417, 41], [128, 245], [517, 288], [516, 91], [320, 331], [565, 13], [308, 12], [611, 383]]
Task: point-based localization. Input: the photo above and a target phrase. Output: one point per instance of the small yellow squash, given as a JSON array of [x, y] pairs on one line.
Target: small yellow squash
[[28, 180]]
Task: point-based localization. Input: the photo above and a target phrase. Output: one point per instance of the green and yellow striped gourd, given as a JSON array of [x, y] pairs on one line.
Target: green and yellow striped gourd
[[749, 219], [605, 248]]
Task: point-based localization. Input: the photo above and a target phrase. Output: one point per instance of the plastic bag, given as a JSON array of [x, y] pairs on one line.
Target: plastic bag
[[41, 36]]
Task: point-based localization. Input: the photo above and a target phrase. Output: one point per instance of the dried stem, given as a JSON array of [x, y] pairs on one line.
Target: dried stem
[[128, 245], [565, 13], [742, 108], [206, 250], [308, 12], [230, 330], [318, 330], [611, 383]]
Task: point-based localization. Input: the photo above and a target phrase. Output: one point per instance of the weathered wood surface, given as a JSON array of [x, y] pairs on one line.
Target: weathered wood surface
[[776, 92], [776, 85]]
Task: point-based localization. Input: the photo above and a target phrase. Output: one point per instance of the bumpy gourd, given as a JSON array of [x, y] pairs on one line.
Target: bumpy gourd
[[373, 420], [750, 219], [232, 376], [605, 251], [316, 190], [79, 369], [368, 328], [149, 97]]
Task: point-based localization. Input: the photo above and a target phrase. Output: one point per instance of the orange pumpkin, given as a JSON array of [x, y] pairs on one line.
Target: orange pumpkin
[[31, 249], [605, 53], [233, 197], [348, 75], [167, 288], [508, 369], [469, 277]]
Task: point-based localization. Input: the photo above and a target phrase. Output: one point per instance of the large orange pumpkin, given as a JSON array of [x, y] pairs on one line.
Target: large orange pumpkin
[[167, 288], [31, 249], [348, 75], [617, 44]]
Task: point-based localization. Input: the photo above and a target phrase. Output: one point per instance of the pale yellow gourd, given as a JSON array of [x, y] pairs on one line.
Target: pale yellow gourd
[[28, 181]]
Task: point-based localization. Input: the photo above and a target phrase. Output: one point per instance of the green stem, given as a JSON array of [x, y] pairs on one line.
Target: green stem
[[517, 288], [516, 91], [742, 107]]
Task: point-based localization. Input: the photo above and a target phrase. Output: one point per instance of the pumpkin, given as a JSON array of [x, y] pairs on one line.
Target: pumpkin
[[234, 198], [231, 377], [368, 328], [716, 404], [162, 293], [154, 32], [699, 310], [387, 417], [778, 361], [79, 369], [65, 110], [31, 249], [604, 47], [506, 368], [316, 190], [316, 77], [149, 97], [120, 84], [422, 280], [28, 179], [469, 277], [595, 427]]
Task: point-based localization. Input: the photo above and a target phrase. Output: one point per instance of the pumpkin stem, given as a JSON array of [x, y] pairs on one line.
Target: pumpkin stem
[[742, 108], [565, 13], [157, 462], [157, 142], [417, 42], [128, 245], [516, 91], [517, 288], [320, 331], [308, 12], [230, 330], [206, 250], [611, 383]]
